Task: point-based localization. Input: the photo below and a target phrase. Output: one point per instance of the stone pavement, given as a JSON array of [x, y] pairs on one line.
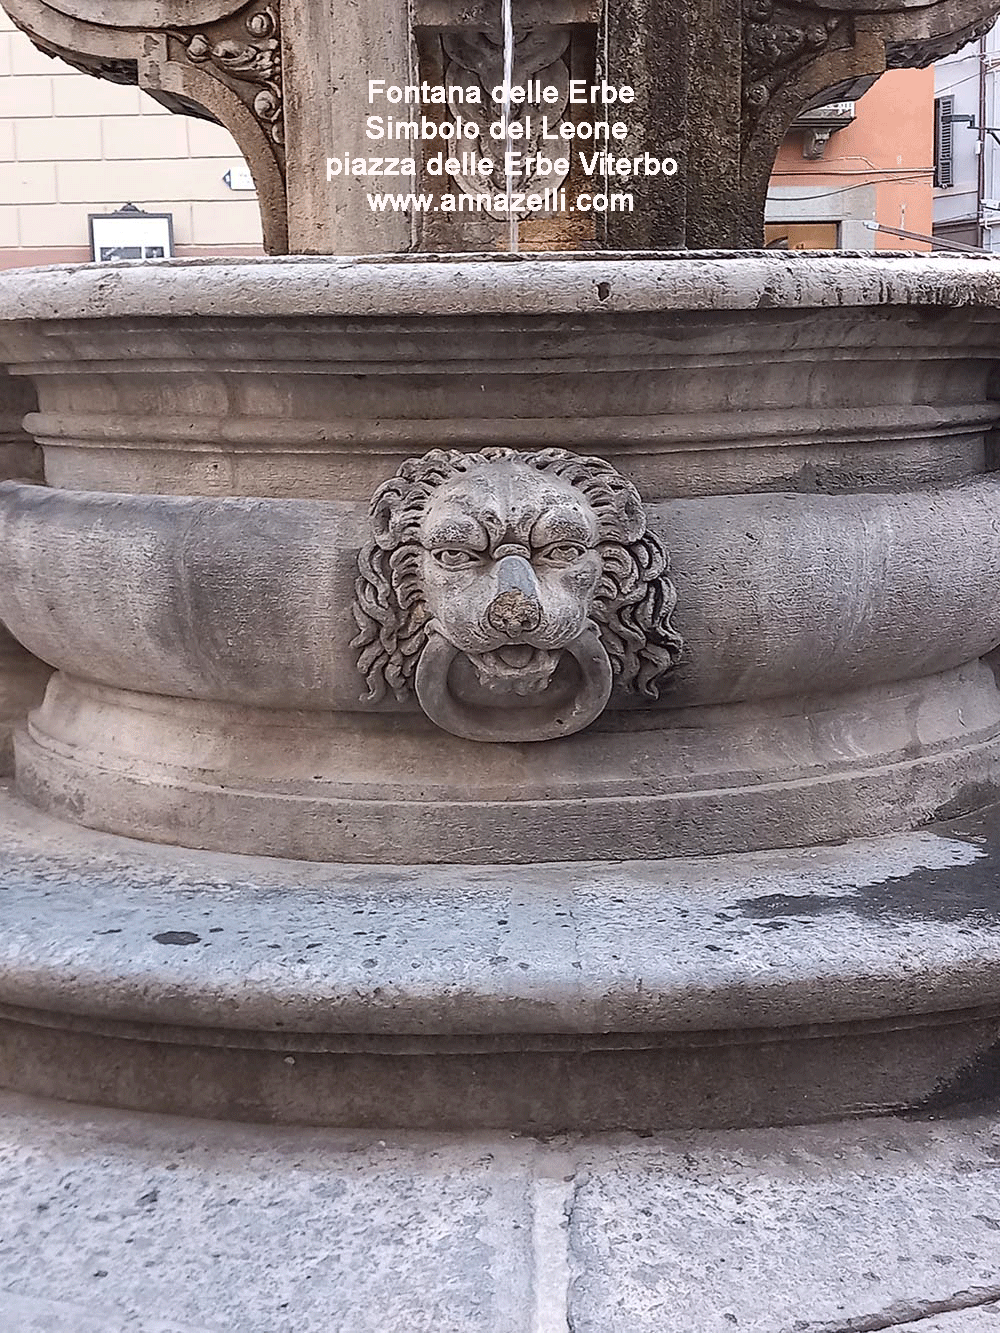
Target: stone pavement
[[114, 1223]]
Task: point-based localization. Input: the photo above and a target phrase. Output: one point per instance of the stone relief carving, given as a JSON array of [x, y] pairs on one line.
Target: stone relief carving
[[509, 592], [475, 60], [920, 54], [250, 58], [777, 39]]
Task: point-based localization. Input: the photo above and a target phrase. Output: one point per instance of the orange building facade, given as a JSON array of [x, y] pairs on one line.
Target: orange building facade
[[870, 161]]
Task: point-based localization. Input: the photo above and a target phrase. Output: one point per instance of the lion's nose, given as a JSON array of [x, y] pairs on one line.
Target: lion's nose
[[516, 608]]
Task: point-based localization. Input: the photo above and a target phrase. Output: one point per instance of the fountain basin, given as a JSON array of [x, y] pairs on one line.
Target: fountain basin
[[22, 677], [697, 374], [810, 435]]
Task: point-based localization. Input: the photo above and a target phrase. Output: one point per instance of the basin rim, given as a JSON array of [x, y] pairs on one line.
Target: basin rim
[[555, 283]]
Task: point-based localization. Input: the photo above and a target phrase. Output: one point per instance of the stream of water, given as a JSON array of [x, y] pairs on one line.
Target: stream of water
[[508, 79]]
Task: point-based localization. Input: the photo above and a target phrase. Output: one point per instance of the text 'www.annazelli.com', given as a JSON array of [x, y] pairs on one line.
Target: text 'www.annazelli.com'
[[547, 201]]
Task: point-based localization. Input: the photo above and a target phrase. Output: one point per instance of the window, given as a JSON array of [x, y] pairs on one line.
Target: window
[[944, 166], [802, 236]]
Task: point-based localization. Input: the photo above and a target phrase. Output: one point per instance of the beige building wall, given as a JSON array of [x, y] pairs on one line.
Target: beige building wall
[[71, 145]]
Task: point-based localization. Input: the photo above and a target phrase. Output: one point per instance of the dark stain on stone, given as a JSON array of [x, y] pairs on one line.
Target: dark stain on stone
[[951, 894], [971, 796], [972, 1091], [177, 937]]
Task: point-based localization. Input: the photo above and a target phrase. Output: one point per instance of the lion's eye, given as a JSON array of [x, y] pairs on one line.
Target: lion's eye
[[564, 553], [453, 558]]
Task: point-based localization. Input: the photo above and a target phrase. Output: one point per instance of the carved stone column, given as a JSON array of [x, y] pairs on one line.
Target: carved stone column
[[725, 80], [717, 82]]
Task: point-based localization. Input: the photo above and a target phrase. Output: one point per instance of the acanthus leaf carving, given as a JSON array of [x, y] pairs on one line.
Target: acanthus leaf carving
[[474, 60], [778, 40]]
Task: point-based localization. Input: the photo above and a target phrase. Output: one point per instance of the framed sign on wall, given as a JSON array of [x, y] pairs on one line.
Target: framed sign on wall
[[130, 233]]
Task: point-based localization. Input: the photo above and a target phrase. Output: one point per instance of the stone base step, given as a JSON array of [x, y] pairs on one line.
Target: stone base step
[[767, 988]]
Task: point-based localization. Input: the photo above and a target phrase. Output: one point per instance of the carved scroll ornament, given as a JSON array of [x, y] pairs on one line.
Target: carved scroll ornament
[[511, 592], [777, 41], [250, 60]]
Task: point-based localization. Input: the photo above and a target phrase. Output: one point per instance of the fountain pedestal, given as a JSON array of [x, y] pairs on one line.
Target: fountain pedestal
[[203, 570], [532, 691]]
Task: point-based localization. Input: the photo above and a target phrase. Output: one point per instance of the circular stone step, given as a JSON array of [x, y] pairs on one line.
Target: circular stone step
[[769, 987]]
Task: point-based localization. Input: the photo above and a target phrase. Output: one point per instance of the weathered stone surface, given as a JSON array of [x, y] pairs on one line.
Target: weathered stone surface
[[176, 1229], [825, 1230], [31, 1314], [812, 542], [171, 1226], [771, 987], [22, 677]]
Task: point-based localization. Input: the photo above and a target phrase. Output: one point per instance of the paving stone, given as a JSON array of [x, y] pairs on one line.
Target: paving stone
[[816, 1230], [29, 1314], [114, 1223], [221, 1228]]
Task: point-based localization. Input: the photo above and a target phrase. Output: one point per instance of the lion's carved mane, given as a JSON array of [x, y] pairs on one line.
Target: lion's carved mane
[[633, 601]]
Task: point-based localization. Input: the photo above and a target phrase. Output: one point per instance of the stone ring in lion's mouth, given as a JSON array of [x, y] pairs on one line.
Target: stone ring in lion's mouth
[[517, 669]]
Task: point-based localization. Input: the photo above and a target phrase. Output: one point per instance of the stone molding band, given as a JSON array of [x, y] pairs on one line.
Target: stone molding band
[[175, 771], [829, 449], [548, 286], [281, 574]]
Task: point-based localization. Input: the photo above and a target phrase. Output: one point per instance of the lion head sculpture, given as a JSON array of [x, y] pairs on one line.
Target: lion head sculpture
[[525, 584]]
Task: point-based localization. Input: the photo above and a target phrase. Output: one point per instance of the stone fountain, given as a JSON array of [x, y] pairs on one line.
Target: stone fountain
[[540, 690]]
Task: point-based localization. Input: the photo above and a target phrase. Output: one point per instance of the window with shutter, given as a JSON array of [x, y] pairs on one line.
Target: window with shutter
[[944, 168]]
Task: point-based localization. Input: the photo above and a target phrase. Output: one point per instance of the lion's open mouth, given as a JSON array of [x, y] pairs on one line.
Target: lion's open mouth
[[516, 668]]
